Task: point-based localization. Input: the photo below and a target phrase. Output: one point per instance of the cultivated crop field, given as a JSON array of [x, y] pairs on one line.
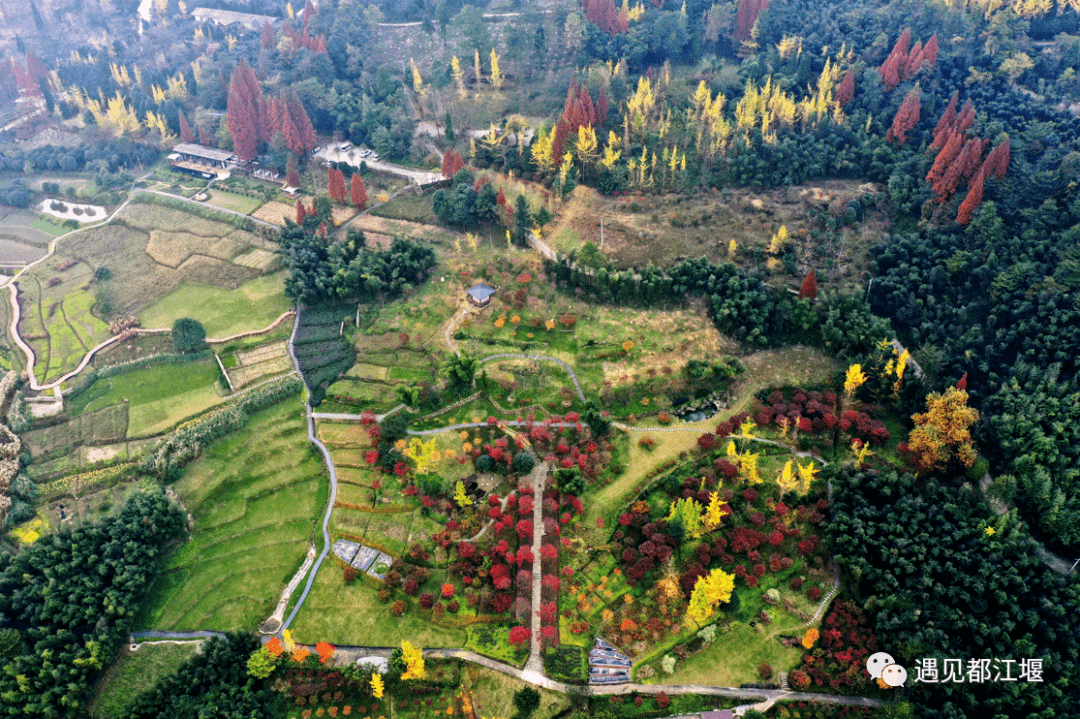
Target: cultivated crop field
[[107, 424], [148, 256], [255, 496], [56, 299], [247, 366], [157, 397]]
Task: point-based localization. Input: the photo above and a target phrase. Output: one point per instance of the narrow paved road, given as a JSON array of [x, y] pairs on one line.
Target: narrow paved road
[[537, 478], [314, 439]]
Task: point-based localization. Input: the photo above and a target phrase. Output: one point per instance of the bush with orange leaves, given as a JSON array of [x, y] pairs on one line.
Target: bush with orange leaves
[[810, 638], [325, 650]]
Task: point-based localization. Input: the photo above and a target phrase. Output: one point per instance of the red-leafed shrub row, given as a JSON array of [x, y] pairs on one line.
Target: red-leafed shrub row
[[838, 660], [816, 413]]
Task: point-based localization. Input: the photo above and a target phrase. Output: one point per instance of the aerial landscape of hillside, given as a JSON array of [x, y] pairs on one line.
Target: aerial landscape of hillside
[[540, 359]]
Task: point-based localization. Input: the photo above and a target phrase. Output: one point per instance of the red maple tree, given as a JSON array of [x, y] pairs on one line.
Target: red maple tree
[[845, 91], [746, 16], [186, 135], [519, 636], [945, 123], [895, 65], [890, 71], [914, 61], [337, 185], [242, 111], [997, 162], [946, 155], [455, 165], [602, 107], [267, 40], [966, 118], [809, 286], [930, 50], [300, 212]]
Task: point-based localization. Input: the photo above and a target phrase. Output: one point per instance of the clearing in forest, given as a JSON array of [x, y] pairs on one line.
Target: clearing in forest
[[842, 220]]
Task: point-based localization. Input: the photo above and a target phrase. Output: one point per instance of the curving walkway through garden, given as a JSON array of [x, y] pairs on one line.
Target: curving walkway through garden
[[540, 358]]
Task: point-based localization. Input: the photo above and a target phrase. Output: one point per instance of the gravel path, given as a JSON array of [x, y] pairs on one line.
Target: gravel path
[[539, 358]]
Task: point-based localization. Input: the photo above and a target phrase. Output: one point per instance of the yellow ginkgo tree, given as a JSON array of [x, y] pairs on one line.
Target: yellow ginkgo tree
[[709, 592], [853, 380], [414, 661]]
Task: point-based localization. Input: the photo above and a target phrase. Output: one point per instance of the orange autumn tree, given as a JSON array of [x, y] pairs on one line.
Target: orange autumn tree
[[274, 647], [972, 201], [325, 650], [941, 440], [907, 116], [358, 192], [810, 638], [300, 653]]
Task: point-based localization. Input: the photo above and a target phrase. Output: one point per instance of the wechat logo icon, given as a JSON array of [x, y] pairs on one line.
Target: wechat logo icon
[[882, 666]]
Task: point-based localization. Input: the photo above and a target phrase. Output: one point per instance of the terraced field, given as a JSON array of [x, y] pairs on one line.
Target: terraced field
[[254, 504]]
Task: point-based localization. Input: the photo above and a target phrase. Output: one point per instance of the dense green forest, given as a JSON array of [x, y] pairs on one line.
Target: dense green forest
[[66, 604], [946, 579]]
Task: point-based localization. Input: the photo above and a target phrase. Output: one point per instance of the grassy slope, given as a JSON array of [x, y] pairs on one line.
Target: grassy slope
[[159, 397], [493, 694], [222, 311], [136, 672], [354, 615], [255, 496]]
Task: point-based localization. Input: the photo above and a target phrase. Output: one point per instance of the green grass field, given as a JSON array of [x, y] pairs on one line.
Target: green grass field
[[255, 496], [136, 672], [159, 397], [234, 201], [223, 312], [493, 693], [49, 227], [339, 614]]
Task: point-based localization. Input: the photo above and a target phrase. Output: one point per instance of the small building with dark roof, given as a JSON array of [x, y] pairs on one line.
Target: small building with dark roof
[[480, 294], [202, 161]]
